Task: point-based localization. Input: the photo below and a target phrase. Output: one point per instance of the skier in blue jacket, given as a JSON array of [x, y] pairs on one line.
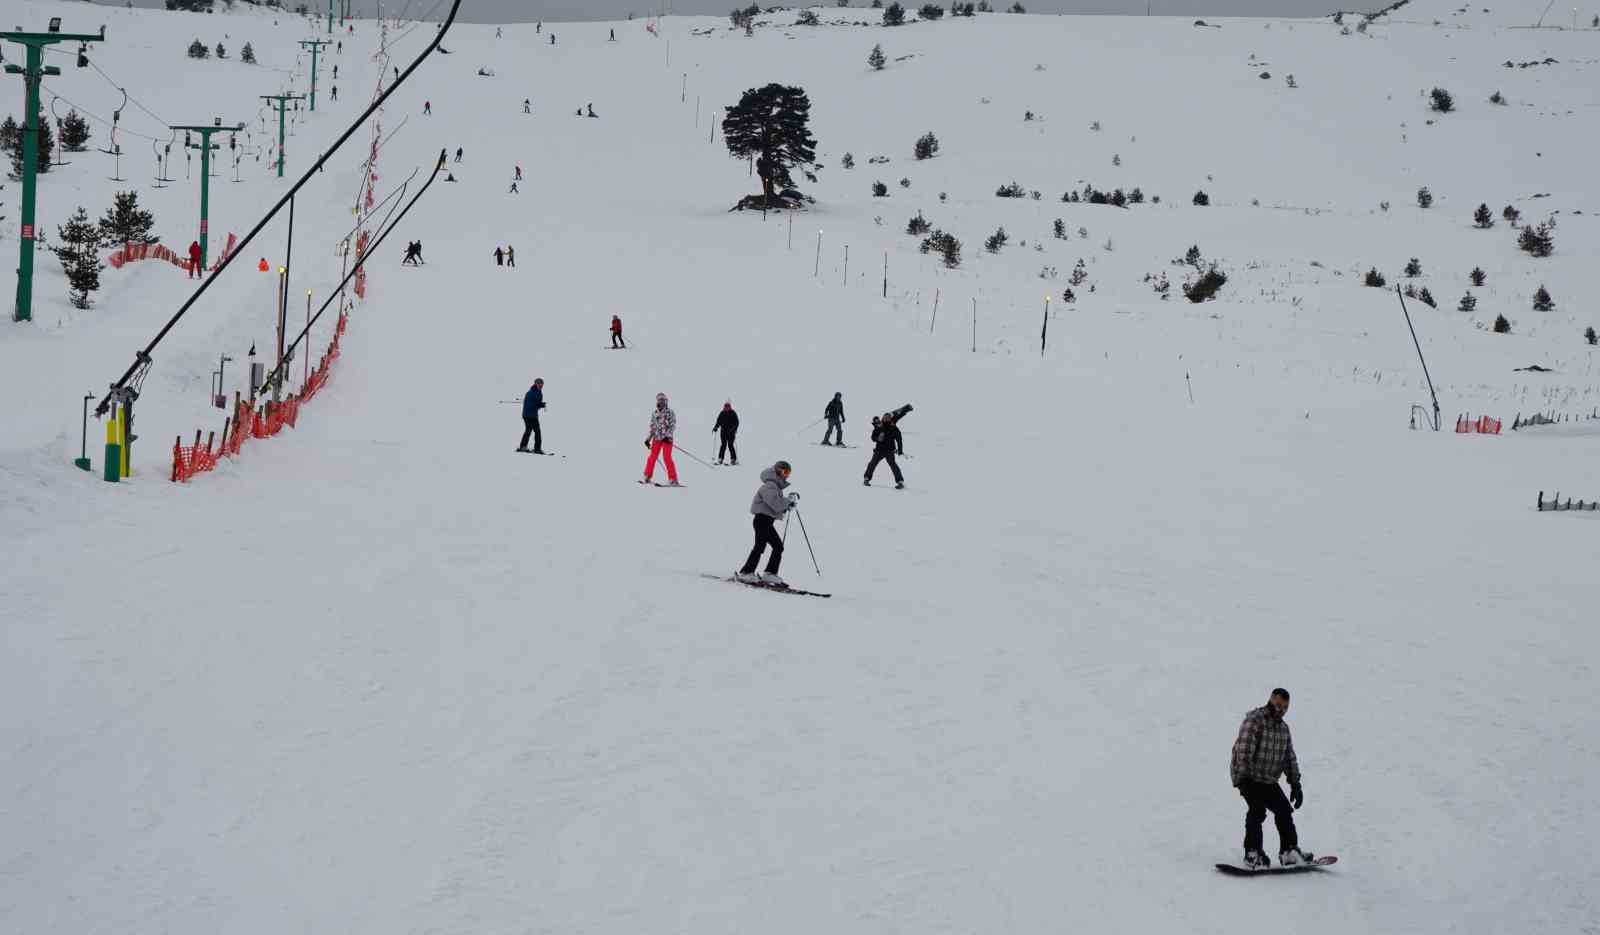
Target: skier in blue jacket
[[531, 404]]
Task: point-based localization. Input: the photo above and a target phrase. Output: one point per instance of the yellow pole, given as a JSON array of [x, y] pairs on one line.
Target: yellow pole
[[122, 439], [113, 462]]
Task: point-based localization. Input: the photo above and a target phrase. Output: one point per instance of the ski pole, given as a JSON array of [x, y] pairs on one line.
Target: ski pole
[[811, 426], [802, 520], [785, 537], [686, 451]]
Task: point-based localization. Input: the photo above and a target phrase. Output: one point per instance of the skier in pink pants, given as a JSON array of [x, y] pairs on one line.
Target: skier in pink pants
[[663, 422]]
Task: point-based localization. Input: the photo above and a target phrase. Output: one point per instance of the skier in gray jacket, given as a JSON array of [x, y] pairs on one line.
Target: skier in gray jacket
[[767, 506]]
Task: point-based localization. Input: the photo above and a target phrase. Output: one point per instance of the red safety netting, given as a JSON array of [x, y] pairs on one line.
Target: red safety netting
[[1483, 425], [154, 251], [249, 422]]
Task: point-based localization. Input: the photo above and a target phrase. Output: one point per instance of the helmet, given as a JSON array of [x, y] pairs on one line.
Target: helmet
[[784, 467]]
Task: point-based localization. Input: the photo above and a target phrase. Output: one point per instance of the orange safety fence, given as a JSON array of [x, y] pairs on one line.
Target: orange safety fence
[[1483, 425], [248, 422], [154, 251]]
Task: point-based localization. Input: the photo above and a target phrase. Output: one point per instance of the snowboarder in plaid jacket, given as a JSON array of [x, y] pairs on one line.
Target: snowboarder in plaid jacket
[[1264, 751]]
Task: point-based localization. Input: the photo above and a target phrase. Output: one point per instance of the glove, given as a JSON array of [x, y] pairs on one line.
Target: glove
[[793, 499], [1296, 797], [647, 443]]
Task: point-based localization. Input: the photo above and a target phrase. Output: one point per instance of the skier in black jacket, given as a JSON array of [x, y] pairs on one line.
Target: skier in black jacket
[[885, 441], [834, 413], [727, 427]]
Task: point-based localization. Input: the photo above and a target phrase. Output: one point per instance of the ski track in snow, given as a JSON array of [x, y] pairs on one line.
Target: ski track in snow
[[380, 675]]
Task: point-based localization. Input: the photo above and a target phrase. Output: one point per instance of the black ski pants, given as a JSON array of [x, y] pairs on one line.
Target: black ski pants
[[727, 447], [616, 340], [766, 535], [531, 427], [872, 466], [1262, 797], [835, 430]]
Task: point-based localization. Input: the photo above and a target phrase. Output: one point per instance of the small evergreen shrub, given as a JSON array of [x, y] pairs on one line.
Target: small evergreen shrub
[[927, 146], [1542, 301], [918, 225], [1537, 241], [1483, 217], [1440, 101], [1477, 276], [879, 190], [1205, 288], [1202, 199], [1011, 190], [197, 49], [1413, 268], [996, 240], [1468, 303], [1375, 279], [1501, 326], [1424, 197]]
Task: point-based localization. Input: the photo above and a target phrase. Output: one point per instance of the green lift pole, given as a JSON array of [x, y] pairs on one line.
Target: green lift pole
[[34, 72], [330, 17], [315, 45], [205, 146], [281, 101]]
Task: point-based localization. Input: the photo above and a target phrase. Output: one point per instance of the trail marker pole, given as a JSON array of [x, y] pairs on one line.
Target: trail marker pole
[[33, 73], [886, 274], [791, 230], [1044, 331], [845, 280], [935, 319], [974, 326], [816, 269]]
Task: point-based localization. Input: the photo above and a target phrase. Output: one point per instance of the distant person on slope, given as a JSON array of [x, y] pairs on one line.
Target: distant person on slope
[[1263, 751], [527, 106], [458, 154], [531, 404], [194, 259], [411, 255], [427, 108], [499, 256], [663, 423], [616, 333], [769, 504], [885, 438], [511, 257], [727, 427], [834, 413]]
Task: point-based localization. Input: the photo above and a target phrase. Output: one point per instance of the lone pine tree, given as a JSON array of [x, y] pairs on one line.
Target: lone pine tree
[[772, 126]]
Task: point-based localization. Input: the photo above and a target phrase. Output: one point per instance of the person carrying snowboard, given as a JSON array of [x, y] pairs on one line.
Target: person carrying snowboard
[[727, 427], [663, 423], [1263, 751], [616, 333], [834, 413], [885, 440], [531, 404], [768, 505]]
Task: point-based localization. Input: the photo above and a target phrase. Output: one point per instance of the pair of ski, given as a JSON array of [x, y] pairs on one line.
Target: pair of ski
[[656, 483], [785, 589], [530, 451], [1317, 863]]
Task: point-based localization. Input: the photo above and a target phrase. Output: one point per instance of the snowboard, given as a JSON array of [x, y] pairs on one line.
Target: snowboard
[[649, 483], [1317, 863], [530, 451], [766, 587], [832, 445]]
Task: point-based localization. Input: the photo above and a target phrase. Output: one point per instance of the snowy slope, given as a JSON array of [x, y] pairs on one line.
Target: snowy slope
[[383, 675]]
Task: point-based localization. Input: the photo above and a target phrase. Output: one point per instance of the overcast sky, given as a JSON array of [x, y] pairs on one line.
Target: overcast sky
[[511, 11]]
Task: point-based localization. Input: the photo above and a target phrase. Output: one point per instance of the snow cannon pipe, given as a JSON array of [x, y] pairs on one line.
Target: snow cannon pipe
[[142, 356], [1407, 313], [288, 355]]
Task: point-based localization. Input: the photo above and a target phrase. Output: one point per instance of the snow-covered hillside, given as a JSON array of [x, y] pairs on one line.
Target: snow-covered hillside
[[381, 674]]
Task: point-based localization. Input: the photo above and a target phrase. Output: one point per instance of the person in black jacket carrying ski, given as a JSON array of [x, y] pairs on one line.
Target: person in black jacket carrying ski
[[531, 404], [727, 427], [834, 413], [885, 442]]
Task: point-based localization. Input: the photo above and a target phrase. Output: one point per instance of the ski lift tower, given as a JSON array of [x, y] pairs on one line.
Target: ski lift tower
[[205, 146], [33, 73]]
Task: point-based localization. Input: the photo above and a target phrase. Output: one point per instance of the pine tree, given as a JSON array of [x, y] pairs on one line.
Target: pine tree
[[1191, 257], [1542, 301], [1375, 279], [11, 133], [894, 14], [1468, 303], [880, 190], [1079, 274], [1477, 276], [1441, 101], [1501, 326], [1202, 199], [849, 161], [80, 258], [927, 146], [1483, 217], [930, 11], [1511, 214], [247, 54], [918, 225], [876, 58], [222, 51], [1413, 268], [1590, 336], [197, 49], [996, 240], [126, 223], [1537, 241], [1424, 197], [1060, 229], [1426, 298], [771, 125], [74, 131]]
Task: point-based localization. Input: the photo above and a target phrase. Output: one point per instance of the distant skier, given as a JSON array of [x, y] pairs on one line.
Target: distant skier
[[511, 257], [552, 38], [591, 112], [616, 333], [336, 92], [418, 245], [767, 506], [513, 190], [336, 72], [194, 259], [613, 35], [1263, 751], [531, 404], [885, 439], [527, 106], [834, 413], [411, 255], [663, 423], [499, 256], [727, 426], [497, 32], [518, 176], [427, 108], [458, 154], [341, 44]]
